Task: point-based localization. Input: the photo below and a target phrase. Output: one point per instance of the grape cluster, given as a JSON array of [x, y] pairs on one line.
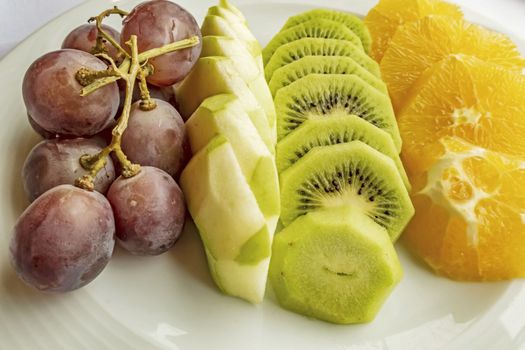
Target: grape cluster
[[114, 145]]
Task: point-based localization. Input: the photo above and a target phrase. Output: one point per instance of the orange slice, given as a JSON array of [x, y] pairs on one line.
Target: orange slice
[[416, 46], [470, 215], [387, 15], [463, 96]]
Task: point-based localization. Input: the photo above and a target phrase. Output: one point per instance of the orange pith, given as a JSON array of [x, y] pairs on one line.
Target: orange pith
[[417, 45], [470, 217], [387, 15]]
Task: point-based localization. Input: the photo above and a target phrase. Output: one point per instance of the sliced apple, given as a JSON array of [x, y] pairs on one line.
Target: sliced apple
[[218, 75], [227, 5], [223, 22], [247, 68], [223, 115], [231, 225]]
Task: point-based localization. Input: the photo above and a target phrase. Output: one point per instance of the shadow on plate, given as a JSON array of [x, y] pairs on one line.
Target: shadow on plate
[[187, 254]]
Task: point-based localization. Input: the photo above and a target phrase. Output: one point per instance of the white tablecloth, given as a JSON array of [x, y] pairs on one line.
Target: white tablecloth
[[19, 18]]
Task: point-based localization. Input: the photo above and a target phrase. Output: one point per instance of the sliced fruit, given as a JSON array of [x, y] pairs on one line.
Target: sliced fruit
[[334, 130], [469, 222], [246, 66], [223, 207], [296, 70], [218, 75], [418, 45], [246, 281], [326, 95], [352, 174], [482, 103], [224, 115], [222, 22], [384, 19], [314, 28], [227, 5], [340, 271], [228, 218], [351, 21], [297, 49]]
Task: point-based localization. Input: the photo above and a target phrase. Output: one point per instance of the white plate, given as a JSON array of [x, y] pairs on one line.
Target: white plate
[[170, 302]]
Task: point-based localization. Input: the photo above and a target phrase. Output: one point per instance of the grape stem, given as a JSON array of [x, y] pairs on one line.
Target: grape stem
[[132, 68], [94, 163], [146, 102], [100, 46], [143, 57]]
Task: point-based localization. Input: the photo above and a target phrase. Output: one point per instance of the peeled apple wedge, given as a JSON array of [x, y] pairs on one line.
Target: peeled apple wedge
[[340, 271], [221, 21], [223, 115], [232, 227], [227, 5], [218, 75], [247, 68], [245, 281]]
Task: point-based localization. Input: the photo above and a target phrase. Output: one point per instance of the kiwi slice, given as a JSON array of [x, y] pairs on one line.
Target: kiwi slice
[[314, 28], [340, 271], [351, 174], [351, 21], [329, 131], [325, 95], [297, 49], [286, 75]]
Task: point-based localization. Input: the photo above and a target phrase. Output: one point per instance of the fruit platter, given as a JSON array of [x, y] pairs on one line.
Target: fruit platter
[[264, 175]]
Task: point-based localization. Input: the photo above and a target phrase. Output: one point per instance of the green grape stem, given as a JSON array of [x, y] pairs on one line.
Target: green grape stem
[[94, 163], [146, 102], [133, 67], [143, 57], [100, 46]]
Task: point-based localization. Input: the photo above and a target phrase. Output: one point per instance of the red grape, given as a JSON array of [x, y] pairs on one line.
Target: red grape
[[84, 38], [157, 23], [64, 239], [149, 211], [52, 95], [55, 162], [156, 138], [165, 94], [44, 133]]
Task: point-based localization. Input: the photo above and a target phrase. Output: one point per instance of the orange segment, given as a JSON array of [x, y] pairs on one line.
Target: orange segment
[[387, 15], [465, 97], [470, 216], [416, 46]]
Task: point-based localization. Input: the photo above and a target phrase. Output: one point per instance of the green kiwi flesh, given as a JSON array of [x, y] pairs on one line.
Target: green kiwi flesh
[[347, 174], [297, 49], [340, 271], [296, 70], [325, 95], [314, 28], [351, 21], [335, 130]]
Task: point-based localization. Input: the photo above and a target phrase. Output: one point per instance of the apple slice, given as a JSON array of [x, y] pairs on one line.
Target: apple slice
[[223, 115], [218, 75], [227, 5], [247, 68], [245, 281], [223, 22], [231, 225]]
